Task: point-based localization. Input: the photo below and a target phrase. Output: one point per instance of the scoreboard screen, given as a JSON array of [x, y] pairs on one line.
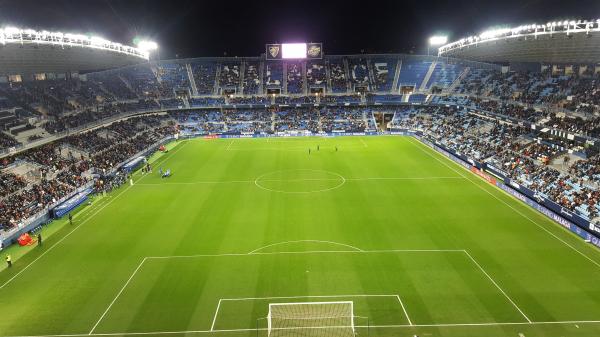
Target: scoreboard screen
[[293, 51], [296, 51]]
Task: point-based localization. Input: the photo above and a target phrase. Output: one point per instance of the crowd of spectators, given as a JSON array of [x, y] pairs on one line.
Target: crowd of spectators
[[337, 75], [250, 100], [7, 141], [144, 82], [294, 78], [383, 75], [576, 91], [359, 71], [251, 78], [316, 74], [515, 150], [173, 77], [229, 75], [61, 173], [296, 99], [204, 77], [273, 75]]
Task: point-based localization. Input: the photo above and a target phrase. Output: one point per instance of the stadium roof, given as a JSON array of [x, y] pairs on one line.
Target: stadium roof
[[26, 51], [553, 42]]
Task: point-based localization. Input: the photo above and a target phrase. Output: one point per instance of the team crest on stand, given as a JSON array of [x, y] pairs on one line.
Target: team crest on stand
[[274, 51], [314, 51]]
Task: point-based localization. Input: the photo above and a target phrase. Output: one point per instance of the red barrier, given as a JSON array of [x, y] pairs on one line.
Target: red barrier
[[25, 240]]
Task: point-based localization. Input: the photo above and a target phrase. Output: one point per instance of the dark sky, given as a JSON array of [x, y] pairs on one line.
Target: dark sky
[[186, 28]]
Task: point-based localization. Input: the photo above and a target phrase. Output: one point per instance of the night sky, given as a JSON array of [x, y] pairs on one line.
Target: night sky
[[186, 28]]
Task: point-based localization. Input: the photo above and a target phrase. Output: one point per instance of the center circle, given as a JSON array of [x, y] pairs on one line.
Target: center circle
[[300, 181]]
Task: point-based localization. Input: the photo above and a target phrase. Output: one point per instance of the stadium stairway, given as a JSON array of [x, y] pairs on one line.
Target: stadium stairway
[[328, 77], [240, 88], [217, 86], [127, 84], [284, 76], [261, 77], [371, 75], [430, 71], [396, 76], [304, 79], [273, 119], [457, 81], [347, 74], [191, 79]]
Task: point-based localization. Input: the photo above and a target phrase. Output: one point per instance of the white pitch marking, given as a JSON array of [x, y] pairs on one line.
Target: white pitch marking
[[314, 252], [181, 332], [403, 178], [364, 143], [116, 297], [231, 143], [404, 309], [298, 241], [507, 204], [497, 286], [216, 182], [306, 296], [212, 326]]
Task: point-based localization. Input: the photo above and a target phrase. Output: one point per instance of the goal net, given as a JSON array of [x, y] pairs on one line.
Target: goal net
[[315, 319]]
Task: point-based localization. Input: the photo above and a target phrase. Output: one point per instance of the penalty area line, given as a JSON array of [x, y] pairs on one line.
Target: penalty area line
[[496, 284], [116, 297], [212, 327], [382, 251], [404, 309]]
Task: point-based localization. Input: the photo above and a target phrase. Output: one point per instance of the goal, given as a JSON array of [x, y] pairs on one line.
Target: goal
[[331, 319]]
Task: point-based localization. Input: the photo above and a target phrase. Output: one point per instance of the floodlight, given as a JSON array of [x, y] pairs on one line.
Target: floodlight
[[98, 41], [438, 40], [12, 30], [147, 45]]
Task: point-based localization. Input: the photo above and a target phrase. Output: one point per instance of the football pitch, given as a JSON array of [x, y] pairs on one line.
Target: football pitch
[[418, 244]]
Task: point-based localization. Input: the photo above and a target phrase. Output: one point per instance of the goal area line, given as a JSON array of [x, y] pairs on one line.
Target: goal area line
[[395, 296]]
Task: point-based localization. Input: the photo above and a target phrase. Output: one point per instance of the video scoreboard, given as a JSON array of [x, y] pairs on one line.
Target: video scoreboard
[[297, 51]]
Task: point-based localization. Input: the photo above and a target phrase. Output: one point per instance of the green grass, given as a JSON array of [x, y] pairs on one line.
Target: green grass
[[384, 222]]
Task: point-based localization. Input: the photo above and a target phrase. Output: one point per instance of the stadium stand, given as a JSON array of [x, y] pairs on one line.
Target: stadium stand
[[294, 78], [384, 70], [482, 113], [316, 74], [204, 77], [251, 78], [337, 74]]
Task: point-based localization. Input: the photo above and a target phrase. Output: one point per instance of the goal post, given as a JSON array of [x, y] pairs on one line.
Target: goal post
[[335, 319]]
